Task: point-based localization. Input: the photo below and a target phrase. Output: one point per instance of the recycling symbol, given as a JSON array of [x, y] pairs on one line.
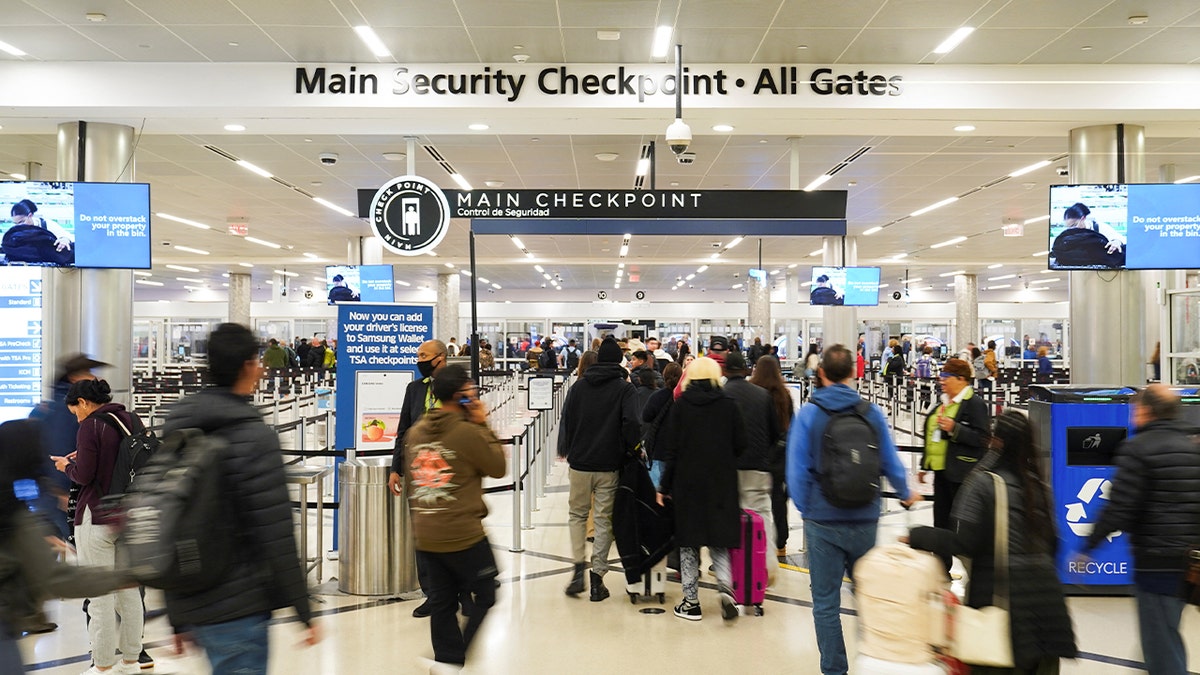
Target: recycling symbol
[[1077, 512]]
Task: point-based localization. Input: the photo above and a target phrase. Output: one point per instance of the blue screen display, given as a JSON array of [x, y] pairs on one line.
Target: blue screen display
[[1137, 226], [849, 286], [359, 283], [62, 224]]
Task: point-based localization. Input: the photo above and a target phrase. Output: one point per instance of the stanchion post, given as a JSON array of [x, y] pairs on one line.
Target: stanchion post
[[515, 469]]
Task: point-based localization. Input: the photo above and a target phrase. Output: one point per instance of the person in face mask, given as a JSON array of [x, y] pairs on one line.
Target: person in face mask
[[418, 399]]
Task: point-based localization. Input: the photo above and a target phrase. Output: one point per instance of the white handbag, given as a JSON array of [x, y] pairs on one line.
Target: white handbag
[[983, 637]]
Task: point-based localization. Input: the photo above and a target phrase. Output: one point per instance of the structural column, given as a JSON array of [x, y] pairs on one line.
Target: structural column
[[966, 311], [445, 318], [239, 298], [758, 302], [1107, 339], [840, 324], [91, 310]]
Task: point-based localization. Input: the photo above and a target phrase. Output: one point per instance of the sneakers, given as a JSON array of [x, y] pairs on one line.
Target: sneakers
[[599, 590], [781, 554], [121, 668], [576, 586], [145, 661], [687, 610], [729, 610]]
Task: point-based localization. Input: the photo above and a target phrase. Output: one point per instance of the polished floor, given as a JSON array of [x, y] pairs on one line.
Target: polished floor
[[534, 628]]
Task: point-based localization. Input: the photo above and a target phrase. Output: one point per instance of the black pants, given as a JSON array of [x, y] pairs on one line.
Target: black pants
[[943, 499], [470, 571], [779, 511]]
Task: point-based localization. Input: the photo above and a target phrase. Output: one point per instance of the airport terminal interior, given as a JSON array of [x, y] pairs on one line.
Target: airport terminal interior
[[934, 147]]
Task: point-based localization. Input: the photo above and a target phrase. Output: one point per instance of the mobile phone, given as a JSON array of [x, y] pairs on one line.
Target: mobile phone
[[464, 401], [25, 489]]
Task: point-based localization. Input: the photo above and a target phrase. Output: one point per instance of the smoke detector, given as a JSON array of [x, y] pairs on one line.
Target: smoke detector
[[520, 58], [1139, 20]]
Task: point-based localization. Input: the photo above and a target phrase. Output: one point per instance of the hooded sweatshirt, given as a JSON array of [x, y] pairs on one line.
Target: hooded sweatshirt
[[96, 447], [805, 439], [600, 421], [446, 457]]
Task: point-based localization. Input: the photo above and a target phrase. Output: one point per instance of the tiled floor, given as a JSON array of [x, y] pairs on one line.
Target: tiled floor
[[535, 629]]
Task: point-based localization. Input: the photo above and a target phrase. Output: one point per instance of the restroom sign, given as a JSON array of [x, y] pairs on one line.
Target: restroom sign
[[410, 215]]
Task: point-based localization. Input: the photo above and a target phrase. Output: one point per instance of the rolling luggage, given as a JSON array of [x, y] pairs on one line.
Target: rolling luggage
[[653, 584], [749, 563]]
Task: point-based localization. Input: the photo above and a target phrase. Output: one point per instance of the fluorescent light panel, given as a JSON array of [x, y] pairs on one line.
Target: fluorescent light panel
[[181, 268], [995, 266], [372, 41], [872, 230], [938, 205], [1002, 277], [817, 182], [5, 47], [1029, 169], [260, 242], [954, 40], [330, 205], [1038, 219], [185, 221], [949, 242], [643, 166], [462, 182], [255, 169], [950, 274], [189, 249], [662, 42]]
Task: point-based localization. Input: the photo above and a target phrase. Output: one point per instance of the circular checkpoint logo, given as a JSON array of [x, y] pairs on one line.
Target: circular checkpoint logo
[[410, 215]]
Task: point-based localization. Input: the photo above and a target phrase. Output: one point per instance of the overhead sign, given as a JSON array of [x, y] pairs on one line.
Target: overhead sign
[[636, 204], [409, 215]]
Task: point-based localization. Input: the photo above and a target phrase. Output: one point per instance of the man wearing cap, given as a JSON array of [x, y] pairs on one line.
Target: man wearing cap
[[956, 436], [599, 426]]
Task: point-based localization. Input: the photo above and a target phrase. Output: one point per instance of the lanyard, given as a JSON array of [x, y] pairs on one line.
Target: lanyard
[[431, 403]]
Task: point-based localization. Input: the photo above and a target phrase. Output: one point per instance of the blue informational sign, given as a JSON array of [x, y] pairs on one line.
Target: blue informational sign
[[63, 224], [849, 286], [1084, 438], [376, 359], [359, 283], [20, 341], [1136, 226]]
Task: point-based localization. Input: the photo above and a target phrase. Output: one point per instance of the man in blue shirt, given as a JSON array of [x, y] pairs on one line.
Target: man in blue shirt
[[837, 537]]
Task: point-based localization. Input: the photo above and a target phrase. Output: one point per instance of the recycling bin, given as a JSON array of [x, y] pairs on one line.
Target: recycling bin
[[375, 539], [1081, 428]]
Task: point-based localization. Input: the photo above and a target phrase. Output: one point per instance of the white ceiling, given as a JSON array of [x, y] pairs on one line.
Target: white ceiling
[[901, 172]]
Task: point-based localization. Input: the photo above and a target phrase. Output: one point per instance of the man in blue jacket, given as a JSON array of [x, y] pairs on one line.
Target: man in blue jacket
[[837, 537]]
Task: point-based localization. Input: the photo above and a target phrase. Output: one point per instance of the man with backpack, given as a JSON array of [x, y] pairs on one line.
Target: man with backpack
[[571, 356], [838, 447], [230, 615]]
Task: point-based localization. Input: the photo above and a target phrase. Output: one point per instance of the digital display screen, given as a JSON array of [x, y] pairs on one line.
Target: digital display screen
[[849, 286], [1094, 446], [1137, 226], [359, 283], [62, 224]]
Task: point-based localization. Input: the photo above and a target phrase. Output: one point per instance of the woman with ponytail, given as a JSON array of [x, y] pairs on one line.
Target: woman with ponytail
[[1041, 627]]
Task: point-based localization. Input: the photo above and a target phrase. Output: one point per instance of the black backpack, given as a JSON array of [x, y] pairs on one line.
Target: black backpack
[[138, 445], [178, 532], [572, 358], [548, 360], [33, 244], [849, 466]]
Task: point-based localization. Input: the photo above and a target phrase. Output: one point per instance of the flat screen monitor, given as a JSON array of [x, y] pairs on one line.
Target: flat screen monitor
[[849, 286], [359, 283], [63, 224], [1115, 226]]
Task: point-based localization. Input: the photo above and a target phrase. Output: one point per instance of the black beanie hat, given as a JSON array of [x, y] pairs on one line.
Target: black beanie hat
[[609, 352], [448, 381]]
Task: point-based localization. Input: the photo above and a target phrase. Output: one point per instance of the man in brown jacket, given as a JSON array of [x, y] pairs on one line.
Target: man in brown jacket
[[446, 455]]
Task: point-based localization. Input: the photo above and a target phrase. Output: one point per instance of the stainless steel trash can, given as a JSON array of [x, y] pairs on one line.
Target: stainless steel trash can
[[375, 541]]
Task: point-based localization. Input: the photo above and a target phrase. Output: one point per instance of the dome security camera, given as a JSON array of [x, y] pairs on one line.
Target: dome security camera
[[679, 136], [328, 158], [1061, 170]]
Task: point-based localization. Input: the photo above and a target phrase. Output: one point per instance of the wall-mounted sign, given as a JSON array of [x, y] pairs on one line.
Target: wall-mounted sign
[[637, 204], [409, 214]]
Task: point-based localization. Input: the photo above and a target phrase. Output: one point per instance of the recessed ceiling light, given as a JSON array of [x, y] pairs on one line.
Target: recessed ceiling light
[[254, 169], [722, 127], [372, 41], [816, 252], [949, 242], [330, 205], [181, 268], [494, 183], [260, 242], [185, 221], [1040, 253], [608, 35], [5, 47], [1138, 20], [1002, 277], [1085, 48], [951, 274], [936, 205], [900, 256], [394, 156], [234, 44], [189, 249], [662, 42], [817, 182], [995, 266], [100, 17], [462, 182], [1039, 218], [518, 47], [606, 156], [965, 127], [244, 264], [1028, 169], [235, 127], [674, 183], [873, 230], [801, 46], [954, 40], [19, 176], [478, 126]]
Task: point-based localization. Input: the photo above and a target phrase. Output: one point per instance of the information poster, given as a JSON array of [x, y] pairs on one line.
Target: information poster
[[1139, 226], [64, 224], [20, 341], [541, 393], [377, 358]]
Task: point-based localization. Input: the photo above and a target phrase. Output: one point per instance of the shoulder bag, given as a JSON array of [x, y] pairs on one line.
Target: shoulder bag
[[983, 637]]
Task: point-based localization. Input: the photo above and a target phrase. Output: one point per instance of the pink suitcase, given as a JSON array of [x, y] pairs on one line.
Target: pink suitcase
[[749, 562]]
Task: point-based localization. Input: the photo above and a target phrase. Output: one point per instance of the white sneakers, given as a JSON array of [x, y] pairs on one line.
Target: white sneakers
[[122, 668]]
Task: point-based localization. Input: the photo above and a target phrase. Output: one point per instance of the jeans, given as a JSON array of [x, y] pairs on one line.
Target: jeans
[[1158, 622], [594, 490], [470, 571], [689, 571], [779, 511], [238, 647], [10, 652], [832, 552], [115, 620]]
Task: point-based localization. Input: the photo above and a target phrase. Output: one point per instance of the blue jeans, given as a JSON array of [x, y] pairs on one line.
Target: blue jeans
[[832, 551], [1158, 623], [237, 647]]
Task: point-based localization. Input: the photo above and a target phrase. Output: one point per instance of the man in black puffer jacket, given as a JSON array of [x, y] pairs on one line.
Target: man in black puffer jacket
[[600, 425], [1155, 498], [229, 619], [762, 435]]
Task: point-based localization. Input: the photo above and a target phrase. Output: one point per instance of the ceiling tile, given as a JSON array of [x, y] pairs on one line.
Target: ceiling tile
[[1172, 45], [822, 45], [619, 14], [1105, 43], [1039, 13], [206, 13], [809, 14], [292, 13], [508, 12], [1001, 45], [583, 47], [542, 44], [407, 14], [213, 43], [893, 45], [727, 13], [141, 43], [946, 16], [58, 43]]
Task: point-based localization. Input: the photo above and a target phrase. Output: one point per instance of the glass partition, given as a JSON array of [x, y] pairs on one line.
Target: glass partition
[[1185, 338]]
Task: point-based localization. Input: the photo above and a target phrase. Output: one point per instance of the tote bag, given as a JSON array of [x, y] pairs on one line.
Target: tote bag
[[983, 637]]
